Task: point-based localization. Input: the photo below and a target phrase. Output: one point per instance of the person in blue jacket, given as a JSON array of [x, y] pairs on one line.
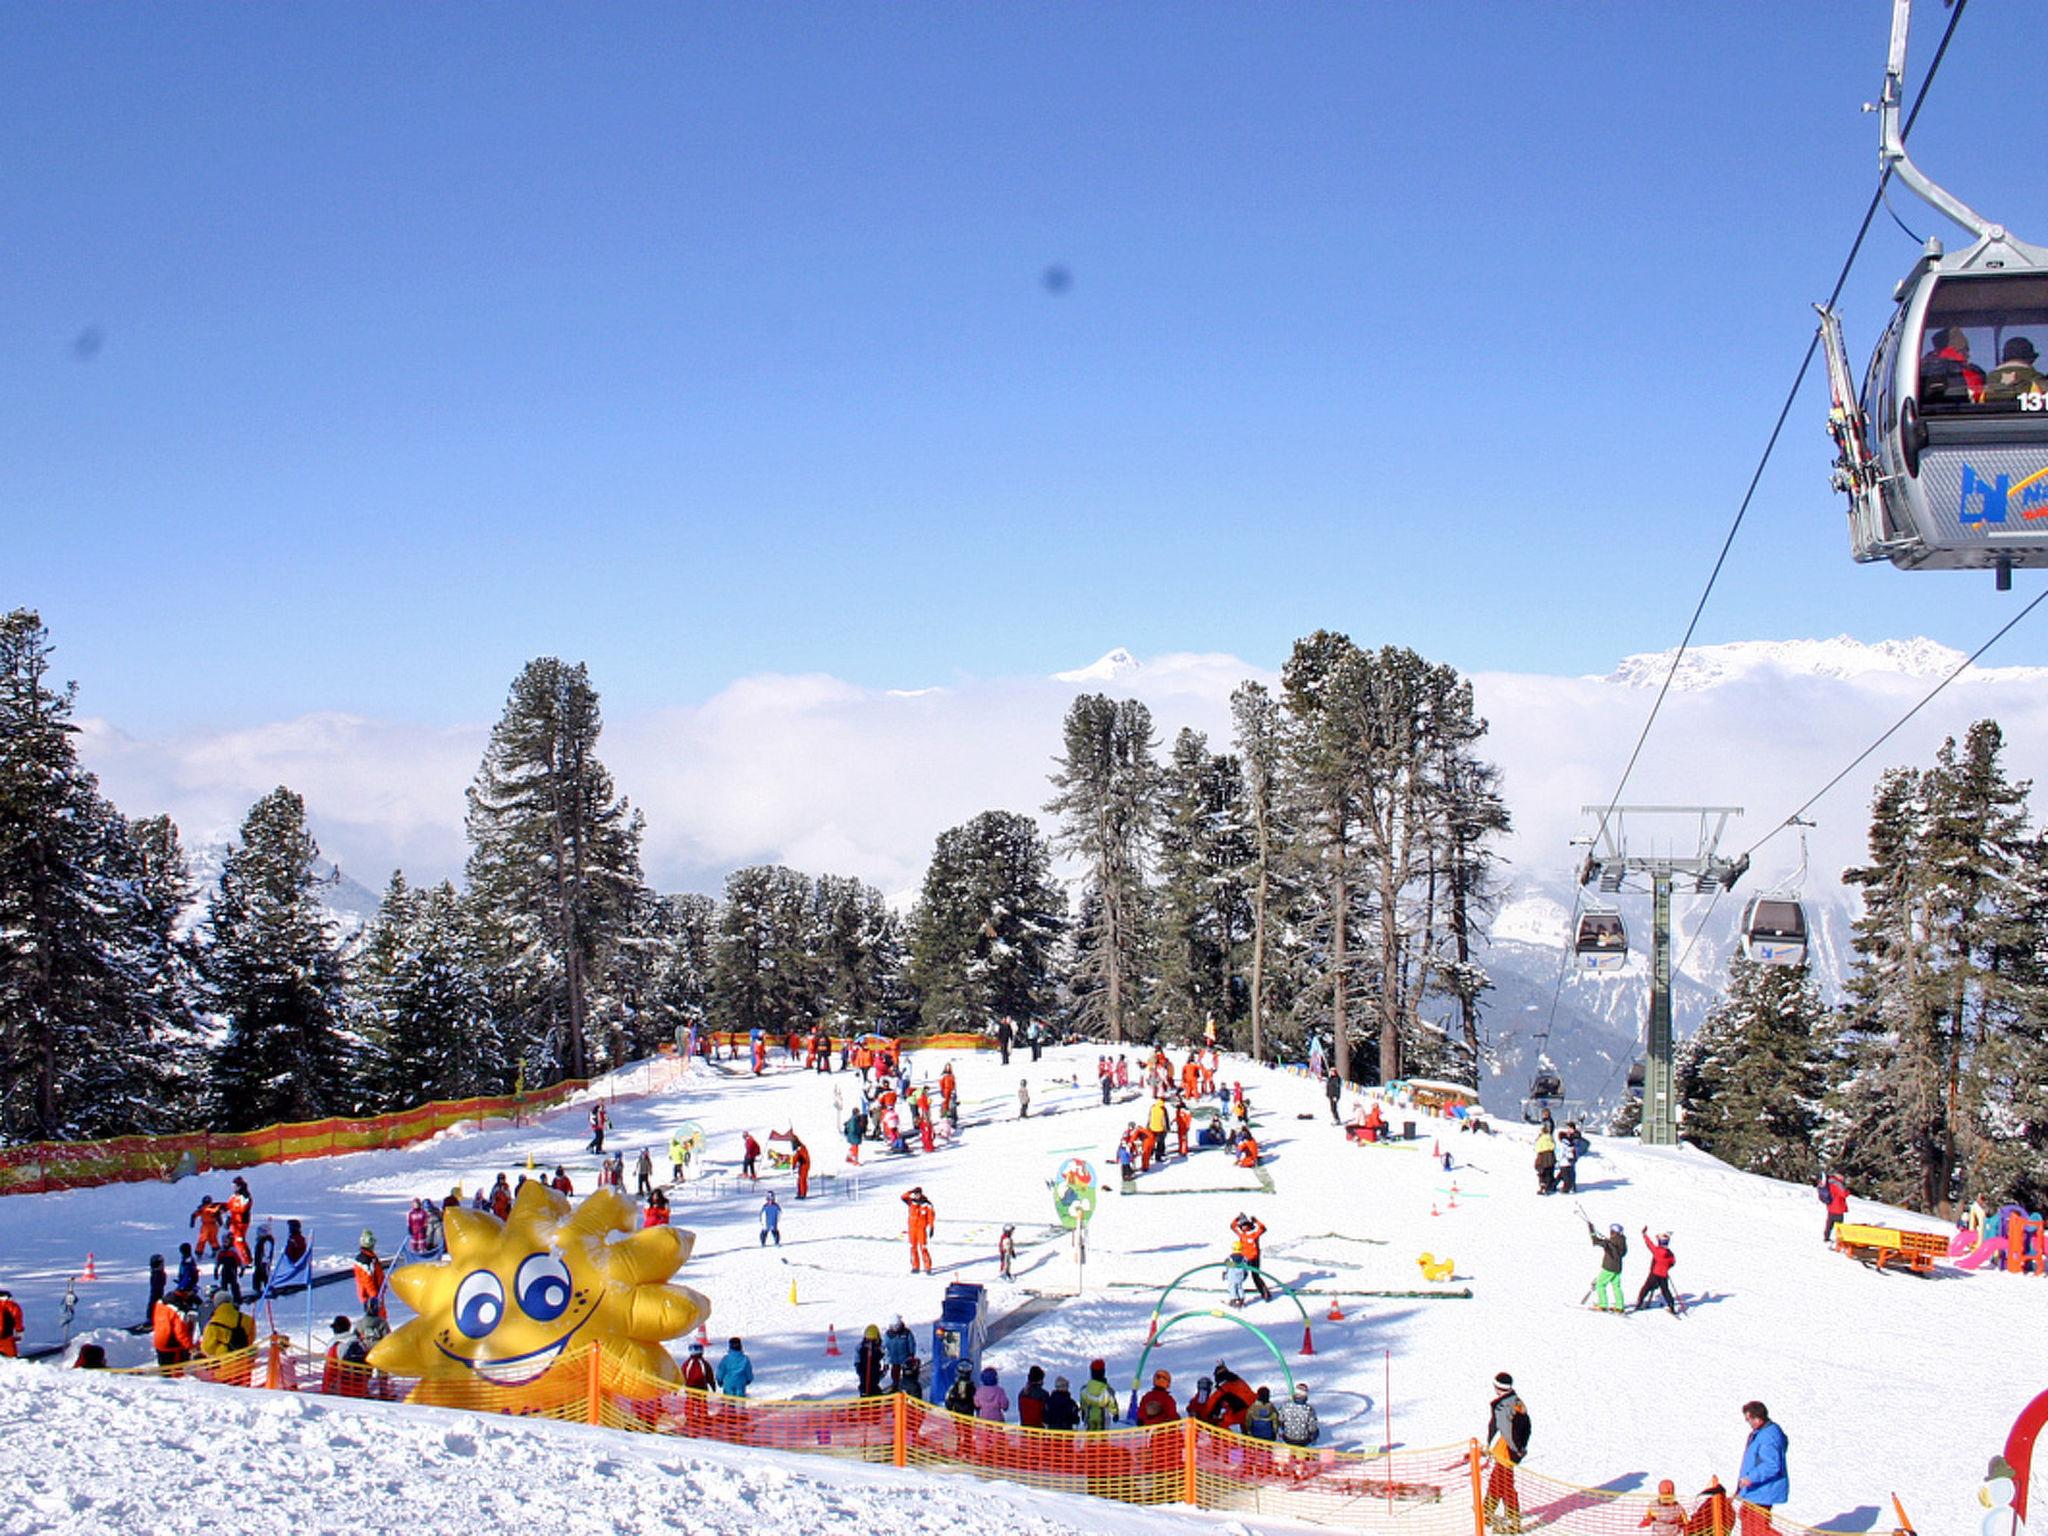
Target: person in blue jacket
[[1763, 1482], [735, 1370]]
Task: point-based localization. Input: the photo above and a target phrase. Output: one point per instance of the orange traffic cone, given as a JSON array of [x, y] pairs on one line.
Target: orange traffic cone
[[1433, 1210], [703, 1337], [1308, 1340], [91, 1269], [832, 1340], [1436, 1152], [1336, 1312]]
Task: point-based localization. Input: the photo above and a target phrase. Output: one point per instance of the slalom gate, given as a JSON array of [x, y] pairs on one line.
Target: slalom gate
[[1446, 1490]]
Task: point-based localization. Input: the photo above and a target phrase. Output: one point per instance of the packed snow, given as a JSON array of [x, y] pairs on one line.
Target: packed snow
[[1884, 1382]]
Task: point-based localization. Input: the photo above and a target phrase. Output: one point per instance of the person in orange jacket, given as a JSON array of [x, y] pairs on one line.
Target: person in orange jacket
[[1247, 1151], [657, 1210], [949, 1086], [1182, 1123], [1248, 1236], [923, 1217], [239, 1205], [11, 1324], [370, 1276], [171, 1330], [800, 1159], [207, 1219], [1190, 1077]]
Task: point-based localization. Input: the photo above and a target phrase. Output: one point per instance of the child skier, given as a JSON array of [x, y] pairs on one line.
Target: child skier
[[1006, 1252], [1607, 1284], [1661, 1260], [771, 1221]]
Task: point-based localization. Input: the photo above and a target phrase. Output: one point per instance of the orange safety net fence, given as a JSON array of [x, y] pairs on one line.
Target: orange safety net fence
[[39, 1166], [1449, 1490]]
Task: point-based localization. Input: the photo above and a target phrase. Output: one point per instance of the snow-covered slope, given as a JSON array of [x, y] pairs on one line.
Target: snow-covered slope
[[1857, 1366]]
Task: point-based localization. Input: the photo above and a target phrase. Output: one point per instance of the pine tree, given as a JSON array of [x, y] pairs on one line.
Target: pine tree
[[1108, 785], [163, 959], [1256, 720], [94, 1015], [663, 975], [859, 954], [1751, 1079], [764, 974], [1204, 908], [1467, 815], [421, 998], [554, 870], [984, 931], [274, 973]]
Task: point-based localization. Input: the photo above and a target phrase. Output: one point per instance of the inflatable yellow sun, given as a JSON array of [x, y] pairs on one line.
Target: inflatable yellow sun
[[513, 1299]]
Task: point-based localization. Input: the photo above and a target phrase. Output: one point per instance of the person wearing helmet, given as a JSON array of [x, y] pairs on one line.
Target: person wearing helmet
[[1659, 1283], [1665, 1517], [1607, 1284], [867, 1363], [991, 1402], [369, 1275], [1157, 1406], [1006, 1252]]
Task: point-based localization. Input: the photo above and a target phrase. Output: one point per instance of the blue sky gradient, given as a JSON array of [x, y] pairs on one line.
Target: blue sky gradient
[[697, 341]]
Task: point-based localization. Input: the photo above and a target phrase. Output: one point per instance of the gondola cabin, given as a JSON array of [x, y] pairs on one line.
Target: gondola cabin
[[1635, 1076], [1547, 1085], [1602, 942], [1774, 931]]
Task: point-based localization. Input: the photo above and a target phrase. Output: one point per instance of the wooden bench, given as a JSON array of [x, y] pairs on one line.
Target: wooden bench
[[1880, 1246]]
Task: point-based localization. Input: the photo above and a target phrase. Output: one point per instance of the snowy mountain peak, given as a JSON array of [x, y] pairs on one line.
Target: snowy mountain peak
[[1710, 666], [1118, 663]]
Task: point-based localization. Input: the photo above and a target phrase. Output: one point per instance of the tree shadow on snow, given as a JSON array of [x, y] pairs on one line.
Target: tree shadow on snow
[[1863, 1517], [1617, 1182], [1584, 1498], [1173, 1248]]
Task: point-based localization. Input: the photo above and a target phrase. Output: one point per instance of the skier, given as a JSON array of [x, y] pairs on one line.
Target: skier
[[698, 1380], [1333, 1090], [171, 1331], [347, 1372], [1198, 1404], [561, 1182], [1182, 1123], [949, 1088], [923, 1217], [188, 1271], [207, 1218], [1507, 1442], [1232, 1399], [1546, 1162], [643, 1172], [867, 1363], [1262, 1420], [1247, 1151], [369, 1276], [678, 1158], [599, 1120], [771, 1221], [1035, 1033], [1157, 1406], [1834, 1194], [1297, 1418], [856, 1129], [239, 1205], [1248, 1235], [1105, 1077], [1235, 1277], [800, 1159], [1661, 1260], [501, 1199], [899, 1348], [1003, 1039], [750, 1152], [229, 1331], [159, 1281], [1006, 1252], [1607, 1284], [416, 1227], [657, 1209], [1567, 1165], [1098, 1398], [227, 1273], [735, 1370], [1155, 1134], [1762, 1482], [960, 1395]]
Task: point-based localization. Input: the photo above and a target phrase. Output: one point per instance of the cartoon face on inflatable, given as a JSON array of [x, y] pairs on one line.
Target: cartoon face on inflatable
[[515, 1299]]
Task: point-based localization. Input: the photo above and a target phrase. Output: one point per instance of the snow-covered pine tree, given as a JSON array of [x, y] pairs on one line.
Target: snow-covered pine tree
[[1108, 805], [859, 954], [983, 933], [274, 974], [1203, 908], [163, 959], [1751, 1078], [420, 1000], [93, 1016], [1467, 816], [764, 972], [554, 869], [2009, 1161]]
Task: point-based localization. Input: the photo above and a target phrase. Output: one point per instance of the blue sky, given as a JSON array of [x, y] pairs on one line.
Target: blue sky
[[699, 341]]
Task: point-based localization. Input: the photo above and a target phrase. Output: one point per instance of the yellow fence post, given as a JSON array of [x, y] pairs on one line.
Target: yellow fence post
[[596, 1388], [1190, 1492], [899, 1432], [1478, 1488]]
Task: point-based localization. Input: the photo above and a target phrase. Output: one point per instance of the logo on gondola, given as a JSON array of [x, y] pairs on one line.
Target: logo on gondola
[[1989, 500]]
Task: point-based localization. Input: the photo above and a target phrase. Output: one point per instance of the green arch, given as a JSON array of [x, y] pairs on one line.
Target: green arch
[[1225, 1264], [1279, 1357]]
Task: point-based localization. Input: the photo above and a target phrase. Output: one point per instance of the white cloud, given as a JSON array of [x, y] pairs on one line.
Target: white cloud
[[827, 776]]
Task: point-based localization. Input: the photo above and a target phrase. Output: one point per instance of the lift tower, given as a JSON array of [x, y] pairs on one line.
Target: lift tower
[[1609, 864]]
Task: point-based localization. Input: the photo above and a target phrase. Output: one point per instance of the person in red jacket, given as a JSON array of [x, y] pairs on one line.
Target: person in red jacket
[[1231, 1400], [1661, 1260], [750, 1153], [347, 1372], [1158, 1406], [800, 1159], [10, 1324], [657, 1211], [1182, 1123], [1834, 1194], [699, 1380], [369, 1276]]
